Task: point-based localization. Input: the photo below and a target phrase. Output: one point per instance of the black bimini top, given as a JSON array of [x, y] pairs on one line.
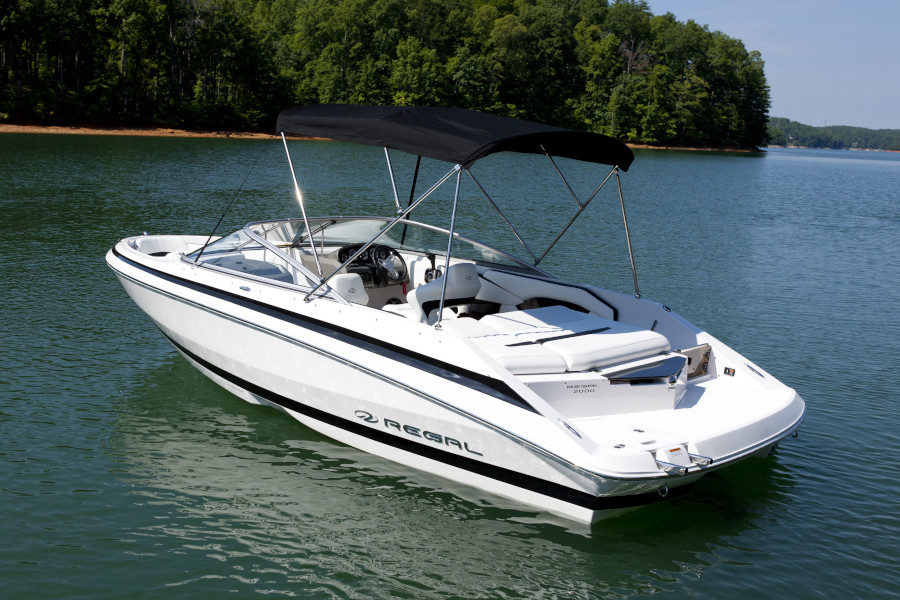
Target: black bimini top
[[453, 135]]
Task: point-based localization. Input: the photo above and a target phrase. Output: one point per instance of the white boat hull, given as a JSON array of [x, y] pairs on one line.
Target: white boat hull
[[266, 357]]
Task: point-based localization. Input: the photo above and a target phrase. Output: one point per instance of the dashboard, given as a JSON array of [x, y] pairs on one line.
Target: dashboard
[[378, 266]]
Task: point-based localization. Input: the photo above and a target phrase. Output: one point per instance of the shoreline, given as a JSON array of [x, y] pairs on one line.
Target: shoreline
[[130, 131], [188, 133], [695, 148]]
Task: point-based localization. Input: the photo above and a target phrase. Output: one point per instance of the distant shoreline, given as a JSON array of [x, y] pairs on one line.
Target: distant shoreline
[[130, 131], [187, 133]]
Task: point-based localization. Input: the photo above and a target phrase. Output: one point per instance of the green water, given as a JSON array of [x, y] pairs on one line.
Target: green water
[[124, 473]]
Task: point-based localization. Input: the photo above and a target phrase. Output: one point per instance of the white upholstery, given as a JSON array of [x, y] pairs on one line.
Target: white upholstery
[[491, 292], [583, 340], [518, 359], [556, 339], [528, 287], [350, 287], [462, 283]]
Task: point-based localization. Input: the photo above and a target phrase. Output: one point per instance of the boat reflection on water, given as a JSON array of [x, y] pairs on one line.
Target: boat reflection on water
[[215, 481]]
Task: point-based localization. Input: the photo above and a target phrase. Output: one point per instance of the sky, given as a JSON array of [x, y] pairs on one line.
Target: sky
[[827, 62]]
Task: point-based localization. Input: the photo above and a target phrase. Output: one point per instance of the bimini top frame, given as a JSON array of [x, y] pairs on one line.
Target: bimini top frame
[[460, 137]]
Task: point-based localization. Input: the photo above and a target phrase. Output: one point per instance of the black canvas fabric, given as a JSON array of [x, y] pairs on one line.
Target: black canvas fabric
[[453, 135]]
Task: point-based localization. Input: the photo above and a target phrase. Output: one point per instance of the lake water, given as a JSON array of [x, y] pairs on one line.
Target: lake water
[[124, 473]]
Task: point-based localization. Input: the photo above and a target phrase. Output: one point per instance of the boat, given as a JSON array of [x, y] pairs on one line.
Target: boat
[[419, 344]]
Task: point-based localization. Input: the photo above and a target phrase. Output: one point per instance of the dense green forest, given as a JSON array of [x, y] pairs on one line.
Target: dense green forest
[[784, 132], [610, 67]]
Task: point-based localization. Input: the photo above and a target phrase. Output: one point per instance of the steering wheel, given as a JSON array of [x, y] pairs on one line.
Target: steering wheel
[[389, 264]]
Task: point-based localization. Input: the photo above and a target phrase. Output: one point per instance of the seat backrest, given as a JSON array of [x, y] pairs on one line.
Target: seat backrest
[[529, 287], [462, 286], [350, 287]]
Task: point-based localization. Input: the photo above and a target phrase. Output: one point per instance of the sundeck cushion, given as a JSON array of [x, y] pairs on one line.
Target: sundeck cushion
[[583, 340], [519, 359]]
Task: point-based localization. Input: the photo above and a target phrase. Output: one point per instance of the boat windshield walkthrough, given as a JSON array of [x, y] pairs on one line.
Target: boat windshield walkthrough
[[418, 344]]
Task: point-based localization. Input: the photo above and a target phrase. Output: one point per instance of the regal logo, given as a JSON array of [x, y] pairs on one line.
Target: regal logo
[[418, 432]]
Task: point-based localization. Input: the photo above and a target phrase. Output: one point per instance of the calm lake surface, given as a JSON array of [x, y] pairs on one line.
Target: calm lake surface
[[124, 473]]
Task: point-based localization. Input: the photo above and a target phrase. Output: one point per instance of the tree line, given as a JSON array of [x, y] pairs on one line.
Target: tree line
[[608, 67], [784, 132]]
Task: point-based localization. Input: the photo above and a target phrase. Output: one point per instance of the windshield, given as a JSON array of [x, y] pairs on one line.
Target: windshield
[[282, 250], [411, 236]]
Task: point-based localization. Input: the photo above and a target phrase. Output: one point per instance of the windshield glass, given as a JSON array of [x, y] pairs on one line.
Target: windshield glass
[[240, 252], [409, 236], [229, 244], [287, 250]]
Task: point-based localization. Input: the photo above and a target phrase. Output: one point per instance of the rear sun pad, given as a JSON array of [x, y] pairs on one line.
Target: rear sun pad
[[520, 359], [555, 339]]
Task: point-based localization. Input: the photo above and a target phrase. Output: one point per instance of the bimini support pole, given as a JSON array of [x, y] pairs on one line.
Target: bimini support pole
[[387, 157], [412, 194], [564, 180], [299, 195], [449, 249], [502, 216], [637, 290], [582, 206]]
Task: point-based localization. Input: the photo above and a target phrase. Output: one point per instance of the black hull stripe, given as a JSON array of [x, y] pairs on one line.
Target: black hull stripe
[[476, 381], [436, 453]]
